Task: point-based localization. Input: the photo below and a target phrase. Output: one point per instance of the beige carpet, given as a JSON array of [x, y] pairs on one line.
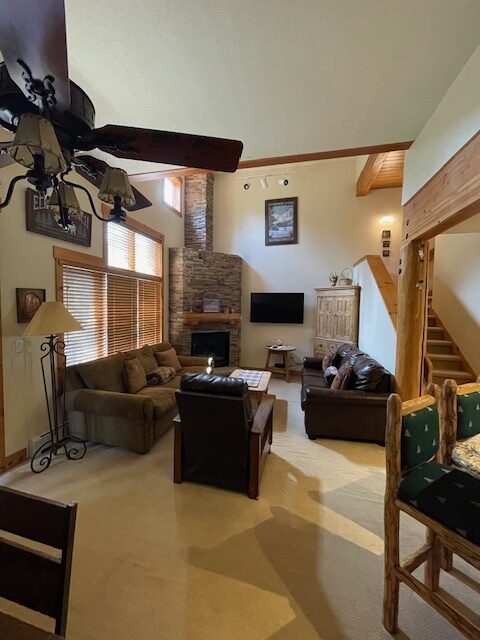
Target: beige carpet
[[159, 561]]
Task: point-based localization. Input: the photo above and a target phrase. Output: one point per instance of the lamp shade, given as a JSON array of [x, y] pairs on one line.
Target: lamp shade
[[51, 319], [35, 135], [67, 198], [115, 183]]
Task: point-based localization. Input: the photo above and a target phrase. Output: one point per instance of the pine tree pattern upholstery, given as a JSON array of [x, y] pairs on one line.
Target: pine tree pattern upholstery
[[446, 500], [468, 415]]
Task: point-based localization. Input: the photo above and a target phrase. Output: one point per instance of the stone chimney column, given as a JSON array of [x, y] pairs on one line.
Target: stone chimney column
[[198, 202]]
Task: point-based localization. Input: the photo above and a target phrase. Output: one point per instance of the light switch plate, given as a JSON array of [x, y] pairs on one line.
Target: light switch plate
[[19, 345]]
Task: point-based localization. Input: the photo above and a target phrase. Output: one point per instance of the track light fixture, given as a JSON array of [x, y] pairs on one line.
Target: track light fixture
[[247, 186], [264, 183], [283, 182]]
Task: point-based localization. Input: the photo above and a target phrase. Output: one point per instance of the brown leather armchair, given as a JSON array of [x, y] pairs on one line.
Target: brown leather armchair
[[356, 413], [219, 440]]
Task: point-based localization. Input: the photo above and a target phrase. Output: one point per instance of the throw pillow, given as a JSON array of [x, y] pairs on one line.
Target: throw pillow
[[160, 375], [330, 373], [135, 377], [327, 360], [168, 359], [342, 378]]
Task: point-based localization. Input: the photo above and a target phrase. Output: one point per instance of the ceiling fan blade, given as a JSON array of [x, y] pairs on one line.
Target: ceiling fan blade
[[92, 169], [34, 31], [200, 152]]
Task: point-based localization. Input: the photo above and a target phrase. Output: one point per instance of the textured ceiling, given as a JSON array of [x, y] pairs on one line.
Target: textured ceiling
[[284, 76]]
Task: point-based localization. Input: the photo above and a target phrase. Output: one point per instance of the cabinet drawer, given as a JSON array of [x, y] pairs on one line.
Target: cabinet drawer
[[321, 346]]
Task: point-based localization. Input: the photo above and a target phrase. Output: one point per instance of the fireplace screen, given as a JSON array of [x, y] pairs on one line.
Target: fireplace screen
[[212, 343]]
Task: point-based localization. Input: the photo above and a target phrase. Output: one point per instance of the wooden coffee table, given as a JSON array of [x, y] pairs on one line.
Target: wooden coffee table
[[258, 391]]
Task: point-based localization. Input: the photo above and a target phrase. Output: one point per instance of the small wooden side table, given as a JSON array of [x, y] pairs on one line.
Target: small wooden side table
[[284, 351]]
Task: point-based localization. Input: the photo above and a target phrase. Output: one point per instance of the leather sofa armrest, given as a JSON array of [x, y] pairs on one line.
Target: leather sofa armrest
[[332, 396], [113, 404], [193, 361], [313, 363]]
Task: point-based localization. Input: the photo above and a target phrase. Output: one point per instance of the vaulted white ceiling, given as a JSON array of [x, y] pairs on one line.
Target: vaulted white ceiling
[[284, 76]]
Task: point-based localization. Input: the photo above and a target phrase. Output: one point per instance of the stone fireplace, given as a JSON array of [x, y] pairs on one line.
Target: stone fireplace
[[196, 272]]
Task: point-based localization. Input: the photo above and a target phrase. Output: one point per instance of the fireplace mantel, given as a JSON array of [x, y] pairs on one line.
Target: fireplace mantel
[[211, 318]]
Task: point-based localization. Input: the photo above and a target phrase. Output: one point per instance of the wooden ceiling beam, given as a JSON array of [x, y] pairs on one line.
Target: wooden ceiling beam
[[370, 171], [276, 160]]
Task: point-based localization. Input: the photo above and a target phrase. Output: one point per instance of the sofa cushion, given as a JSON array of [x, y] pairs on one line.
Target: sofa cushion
[[105, 374], [160, 375], [168, 358], [161, 346], [327, 360], [163, 399], [135, 377], [342, 378], [146, 357], [329, 374]]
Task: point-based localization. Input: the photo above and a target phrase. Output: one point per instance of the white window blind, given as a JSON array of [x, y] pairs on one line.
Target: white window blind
[[118, 311], [133, 251], [84, 295]]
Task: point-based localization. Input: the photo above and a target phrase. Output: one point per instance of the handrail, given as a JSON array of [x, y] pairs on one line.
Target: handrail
[[385, 284]]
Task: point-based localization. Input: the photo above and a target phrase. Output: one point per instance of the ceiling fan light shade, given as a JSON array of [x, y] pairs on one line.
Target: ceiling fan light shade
[[35, 135], [115, 184], [67, 198]]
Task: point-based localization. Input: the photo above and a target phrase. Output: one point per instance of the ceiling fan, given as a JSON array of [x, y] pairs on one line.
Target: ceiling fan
[[53, 119]]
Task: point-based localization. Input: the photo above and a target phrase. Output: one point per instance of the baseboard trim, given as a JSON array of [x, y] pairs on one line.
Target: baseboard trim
[[13, 460]]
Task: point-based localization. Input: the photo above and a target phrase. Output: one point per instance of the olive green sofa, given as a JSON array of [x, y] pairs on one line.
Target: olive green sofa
[[101, 410]]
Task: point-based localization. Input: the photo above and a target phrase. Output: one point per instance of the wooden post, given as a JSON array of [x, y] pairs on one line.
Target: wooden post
[[411, 320], [392, 514], [448, 420]]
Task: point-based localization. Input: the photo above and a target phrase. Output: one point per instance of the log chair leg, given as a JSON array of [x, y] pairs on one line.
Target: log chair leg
[[432, 566], [392, 561], [446, 559]]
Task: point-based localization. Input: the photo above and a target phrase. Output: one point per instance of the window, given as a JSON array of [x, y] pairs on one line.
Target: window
[[119, 304], [172, 194], [133, 251]]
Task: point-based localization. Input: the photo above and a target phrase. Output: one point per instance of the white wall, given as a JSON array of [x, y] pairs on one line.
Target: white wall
[[454, 122], [456, 290], [335, 230], [26, 260], [377, 335]]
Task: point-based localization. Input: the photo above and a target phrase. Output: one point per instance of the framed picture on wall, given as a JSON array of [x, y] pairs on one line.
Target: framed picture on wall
[[281, 221], [41, 219], [28, 303]]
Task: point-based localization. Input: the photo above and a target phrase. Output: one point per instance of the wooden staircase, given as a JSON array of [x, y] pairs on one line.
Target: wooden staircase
[[444, 358]]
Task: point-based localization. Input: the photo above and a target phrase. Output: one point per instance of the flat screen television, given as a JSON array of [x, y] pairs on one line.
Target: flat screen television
[[282, 308]]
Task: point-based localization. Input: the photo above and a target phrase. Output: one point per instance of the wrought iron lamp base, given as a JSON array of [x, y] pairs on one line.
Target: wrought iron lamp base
[[71, 447]]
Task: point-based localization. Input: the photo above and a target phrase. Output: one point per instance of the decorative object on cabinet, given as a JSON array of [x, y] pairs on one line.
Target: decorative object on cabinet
[[346, 277], [337, 318], [28, 303], [42, 218], [333, 277], [386, 233], [281, 221]]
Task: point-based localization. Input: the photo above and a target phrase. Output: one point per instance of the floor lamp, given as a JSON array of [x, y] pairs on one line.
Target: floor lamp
[[52, 319]]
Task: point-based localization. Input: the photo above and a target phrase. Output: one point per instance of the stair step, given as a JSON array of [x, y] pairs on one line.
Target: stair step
[[438, 346], [450, 360], [432, 321], [449, 373], [433, 333]]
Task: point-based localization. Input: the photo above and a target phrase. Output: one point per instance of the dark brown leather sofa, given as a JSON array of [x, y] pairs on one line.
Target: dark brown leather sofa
[[356, 413]]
